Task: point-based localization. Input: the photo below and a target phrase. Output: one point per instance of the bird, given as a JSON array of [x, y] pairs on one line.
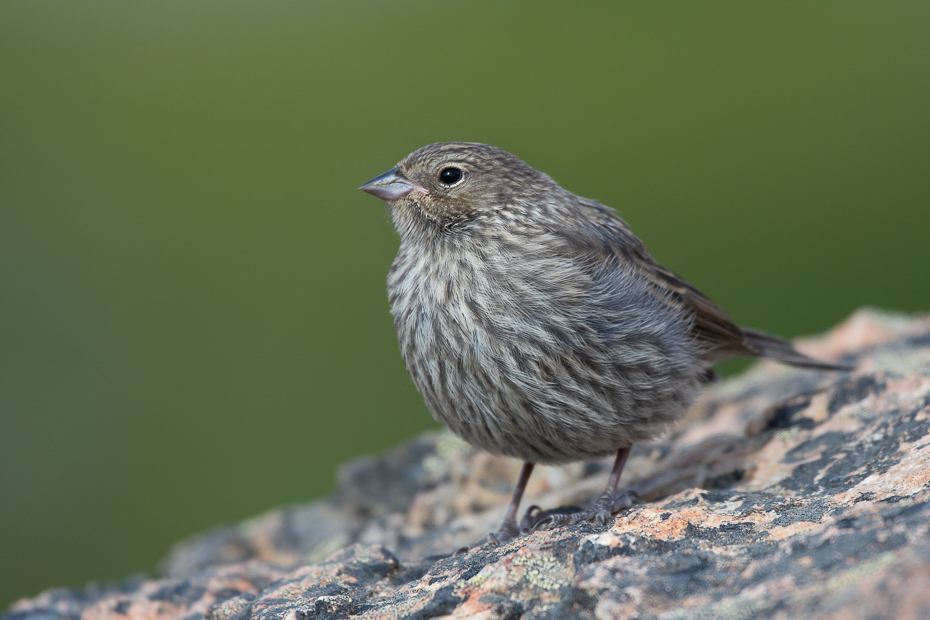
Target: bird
[[536, 325]]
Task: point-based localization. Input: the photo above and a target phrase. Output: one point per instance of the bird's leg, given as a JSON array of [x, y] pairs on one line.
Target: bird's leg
[[602, 509], [509, 529]]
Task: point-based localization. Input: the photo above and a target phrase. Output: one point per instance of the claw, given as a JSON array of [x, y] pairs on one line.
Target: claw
[[507, 533], [625, 501], [542, 525], [535, 519], [529, 520], [560, 520], [601, 512]]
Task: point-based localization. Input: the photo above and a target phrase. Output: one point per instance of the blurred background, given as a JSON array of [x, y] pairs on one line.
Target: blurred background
[[193, 319]]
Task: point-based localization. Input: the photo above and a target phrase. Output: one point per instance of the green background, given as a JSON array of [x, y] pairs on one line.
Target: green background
[[193, 319]]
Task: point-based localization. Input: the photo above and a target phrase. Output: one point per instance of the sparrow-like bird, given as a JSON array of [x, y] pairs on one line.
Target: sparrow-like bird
[[534, 322]]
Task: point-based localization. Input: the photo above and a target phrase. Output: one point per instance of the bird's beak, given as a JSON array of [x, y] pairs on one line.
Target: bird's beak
[[391, 186]]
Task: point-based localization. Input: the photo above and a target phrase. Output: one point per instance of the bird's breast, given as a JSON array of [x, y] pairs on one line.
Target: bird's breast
[[459, 297], [432, 298], [535, 354]]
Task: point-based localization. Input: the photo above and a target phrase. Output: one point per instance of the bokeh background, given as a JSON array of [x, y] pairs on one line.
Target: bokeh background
[[193, 319]]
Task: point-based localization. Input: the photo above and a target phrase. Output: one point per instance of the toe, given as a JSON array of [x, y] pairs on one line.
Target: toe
[[541, 525], [625, 501], [508, 532], [549, 523], [500, 537], [532, 516]]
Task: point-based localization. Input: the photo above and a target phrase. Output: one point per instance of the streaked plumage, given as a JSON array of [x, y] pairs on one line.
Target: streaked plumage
[[533, 321]]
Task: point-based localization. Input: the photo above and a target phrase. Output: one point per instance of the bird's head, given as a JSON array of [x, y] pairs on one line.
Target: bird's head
[[447, 183]]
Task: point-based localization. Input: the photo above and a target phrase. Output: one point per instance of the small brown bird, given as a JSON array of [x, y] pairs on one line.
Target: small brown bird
[[534, 322]]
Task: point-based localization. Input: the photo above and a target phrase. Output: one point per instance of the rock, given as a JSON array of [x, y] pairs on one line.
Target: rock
[[786, 493]]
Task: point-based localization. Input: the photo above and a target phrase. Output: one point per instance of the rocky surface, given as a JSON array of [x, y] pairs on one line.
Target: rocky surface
[[786, 493]]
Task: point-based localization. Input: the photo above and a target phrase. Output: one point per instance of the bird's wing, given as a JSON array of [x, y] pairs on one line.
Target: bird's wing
[[604, 235]]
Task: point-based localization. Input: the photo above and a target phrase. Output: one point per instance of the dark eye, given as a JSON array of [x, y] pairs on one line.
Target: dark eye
[[450, 176]]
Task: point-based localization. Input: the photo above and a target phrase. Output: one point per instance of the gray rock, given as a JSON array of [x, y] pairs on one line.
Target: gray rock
[[785, 494]]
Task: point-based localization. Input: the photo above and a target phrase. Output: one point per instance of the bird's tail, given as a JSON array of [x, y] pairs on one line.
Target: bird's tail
[[774, 348]]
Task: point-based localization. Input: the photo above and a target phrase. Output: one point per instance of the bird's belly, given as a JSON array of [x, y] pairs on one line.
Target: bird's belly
[[528, 376]]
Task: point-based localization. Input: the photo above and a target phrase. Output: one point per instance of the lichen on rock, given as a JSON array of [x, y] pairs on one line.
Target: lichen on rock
[[786, 493]]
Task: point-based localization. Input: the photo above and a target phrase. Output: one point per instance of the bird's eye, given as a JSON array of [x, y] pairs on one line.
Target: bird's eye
[[450, 176]]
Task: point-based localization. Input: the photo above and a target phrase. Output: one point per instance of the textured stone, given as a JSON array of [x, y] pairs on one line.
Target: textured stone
[[785, 494]]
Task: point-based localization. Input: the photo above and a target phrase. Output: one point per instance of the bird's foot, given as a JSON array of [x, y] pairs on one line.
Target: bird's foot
[[600, 512], [531, 517], [534, 514], [535, 518], [509, 531], [625, 501]]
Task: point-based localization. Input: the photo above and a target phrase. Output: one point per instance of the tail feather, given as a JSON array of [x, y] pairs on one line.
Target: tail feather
[[774, 348]]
